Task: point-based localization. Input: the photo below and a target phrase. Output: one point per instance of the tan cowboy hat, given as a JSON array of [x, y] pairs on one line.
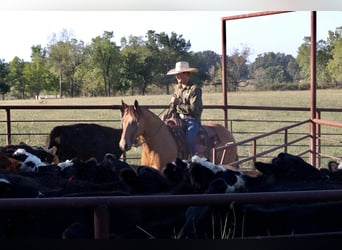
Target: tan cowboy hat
[[180, 68]]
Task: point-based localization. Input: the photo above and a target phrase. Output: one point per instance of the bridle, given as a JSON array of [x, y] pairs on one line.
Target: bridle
[[141, 142]]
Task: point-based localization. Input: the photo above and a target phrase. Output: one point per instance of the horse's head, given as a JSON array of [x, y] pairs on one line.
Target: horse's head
[[131, 126]]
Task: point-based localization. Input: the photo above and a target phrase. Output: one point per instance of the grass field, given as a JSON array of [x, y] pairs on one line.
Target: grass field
[[36, 123]]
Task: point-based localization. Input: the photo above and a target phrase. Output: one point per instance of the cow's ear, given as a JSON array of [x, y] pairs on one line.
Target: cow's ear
[[52, 150], [136, 105], [264, 168]]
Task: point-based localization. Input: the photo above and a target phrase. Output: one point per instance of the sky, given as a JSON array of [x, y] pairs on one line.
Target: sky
[[34, 25]]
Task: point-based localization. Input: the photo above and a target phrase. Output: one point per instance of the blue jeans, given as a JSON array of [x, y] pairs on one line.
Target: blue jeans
[[192, 128]]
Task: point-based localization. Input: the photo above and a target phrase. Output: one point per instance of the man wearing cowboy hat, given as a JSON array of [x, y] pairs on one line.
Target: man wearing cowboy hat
[[187, 102]]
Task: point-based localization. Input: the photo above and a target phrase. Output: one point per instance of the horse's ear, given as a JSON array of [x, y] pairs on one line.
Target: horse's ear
[[136, 105], [123, 106]]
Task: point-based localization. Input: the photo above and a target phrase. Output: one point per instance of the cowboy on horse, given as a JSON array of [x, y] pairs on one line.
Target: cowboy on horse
[[186, 103]]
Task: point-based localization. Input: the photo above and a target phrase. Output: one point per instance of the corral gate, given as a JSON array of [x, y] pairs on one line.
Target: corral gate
[[314, 127]]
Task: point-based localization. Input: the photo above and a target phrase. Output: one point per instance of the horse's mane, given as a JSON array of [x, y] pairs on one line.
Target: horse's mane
[[136, 113]]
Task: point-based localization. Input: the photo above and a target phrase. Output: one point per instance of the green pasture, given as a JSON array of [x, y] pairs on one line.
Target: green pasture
[[32, 126]]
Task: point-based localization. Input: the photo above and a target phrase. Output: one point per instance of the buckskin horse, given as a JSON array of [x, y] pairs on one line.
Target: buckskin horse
[[160, 145]]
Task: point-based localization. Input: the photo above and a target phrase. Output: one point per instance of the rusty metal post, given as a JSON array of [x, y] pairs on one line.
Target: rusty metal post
[[224, 73], [286, 139], [8, 126], [101, 222], [254, 151], [318, 141], [313, 86]]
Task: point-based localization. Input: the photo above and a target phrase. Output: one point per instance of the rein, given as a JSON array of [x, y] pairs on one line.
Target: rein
[[163, 111]]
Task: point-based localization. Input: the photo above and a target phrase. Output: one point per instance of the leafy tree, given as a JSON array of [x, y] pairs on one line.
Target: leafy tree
[[303, 59], [85, 78], [335, 63], [276, 74], [209, 66], [141, 63], [56, 52], [16, 79], [74, 61], [37, 73], [333, 37], [158, 68], [323, 55], [293, 68], [66, 55], [105, 57], [4, 70], [137, 64], [237, 68], [169, 49], [274, 70]]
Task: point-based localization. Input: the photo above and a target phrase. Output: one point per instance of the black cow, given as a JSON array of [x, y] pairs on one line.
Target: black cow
[[84, 141], [203, 172], [41, 153], [91, 178], [286, 172]]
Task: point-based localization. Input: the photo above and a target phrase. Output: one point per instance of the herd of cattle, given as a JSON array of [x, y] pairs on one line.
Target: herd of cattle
[[33, 172]]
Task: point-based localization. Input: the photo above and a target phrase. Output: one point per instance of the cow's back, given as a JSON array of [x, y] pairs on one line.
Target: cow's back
[[83, 141]]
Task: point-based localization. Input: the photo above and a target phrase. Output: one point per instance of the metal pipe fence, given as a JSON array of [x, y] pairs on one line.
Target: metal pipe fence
[[15, 130], [101, 205]]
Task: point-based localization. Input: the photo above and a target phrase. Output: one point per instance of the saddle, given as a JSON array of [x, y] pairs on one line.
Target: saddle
[[207, 137]]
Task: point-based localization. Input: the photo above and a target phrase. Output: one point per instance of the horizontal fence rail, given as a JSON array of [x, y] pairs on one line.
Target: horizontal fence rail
[[101, 204], [254, 139]]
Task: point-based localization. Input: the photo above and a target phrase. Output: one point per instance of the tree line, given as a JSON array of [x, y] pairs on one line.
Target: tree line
[[69, 67]]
